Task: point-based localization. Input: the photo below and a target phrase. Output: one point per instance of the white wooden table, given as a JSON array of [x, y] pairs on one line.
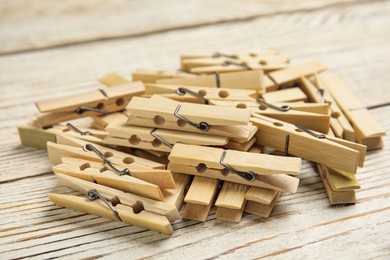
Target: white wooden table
[[55, 48]]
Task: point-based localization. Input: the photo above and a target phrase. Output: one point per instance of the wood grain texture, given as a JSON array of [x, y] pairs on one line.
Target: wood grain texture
[[31, 25], [351, 39]]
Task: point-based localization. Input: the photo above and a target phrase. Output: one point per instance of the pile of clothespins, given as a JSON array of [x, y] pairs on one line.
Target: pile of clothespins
[[226, 130]]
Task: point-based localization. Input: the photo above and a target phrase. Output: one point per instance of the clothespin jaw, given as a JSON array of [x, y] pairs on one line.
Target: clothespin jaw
[[250, 80], [97, 102], [130, 215]]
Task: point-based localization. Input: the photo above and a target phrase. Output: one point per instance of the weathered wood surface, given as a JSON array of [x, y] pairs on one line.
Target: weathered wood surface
[[29, 25], [351, 39]]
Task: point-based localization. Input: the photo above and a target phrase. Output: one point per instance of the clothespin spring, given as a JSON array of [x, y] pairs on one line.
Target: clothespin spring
[[203, 126], [249, 176], [90, 147], [94, 195]]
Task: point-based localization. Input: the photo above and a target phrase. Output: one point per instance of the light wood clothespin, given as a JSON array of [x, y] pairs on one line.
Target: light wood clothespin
[[125, 198], [276, 79], [240, 167], [152, 76], [234, 54], [119, 162], [176, 196], [365, 125], [266, 60], [228, 122], [100, 122], [253, 80], [31, 135], [101, 174], [133, 215], [314, 146], [318, 108], [96, 102], [200, 95], [156, 139]]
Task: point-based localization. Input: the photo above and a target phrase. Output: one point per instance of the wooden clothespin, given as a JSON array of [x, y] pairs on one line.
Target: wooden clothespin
[[152, 76], [253, 80], [239, 167], [367, 128], [100, 173], [96, 102], [224, 59], [238, 65], [314, 146], [318, 108], [339, 123], [176, 196], [228, 122], [200, 95], [240, 146], [234, 54], [125, 198], [121, 163], [156, 139], [261, 209], [276, 79], [31, 135]]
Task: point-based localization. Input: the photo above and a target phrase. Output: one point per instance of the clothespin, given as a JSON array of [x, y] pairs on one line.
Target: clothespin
[[240, 146], [124, 198], [152, 76], [305, 143], [120, 163], [200, 95], [156, 139], [253, 80], [339, 180], [231, 55], [228, 122], [234, 166], [318, 108], [176, 196], [365, 125], [339, 123], [96, 102], [31, 135], [261, 209], [100, 173], [267, 60], [276, 79]]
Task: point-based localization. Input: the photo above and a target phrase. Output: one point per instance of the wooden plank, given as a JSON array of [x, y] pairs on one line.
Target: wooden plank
[[83, 21]]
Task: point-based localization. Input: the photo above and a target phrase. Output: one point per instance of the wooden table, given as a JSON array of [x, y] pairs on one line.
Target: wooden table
[[55, 48]]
